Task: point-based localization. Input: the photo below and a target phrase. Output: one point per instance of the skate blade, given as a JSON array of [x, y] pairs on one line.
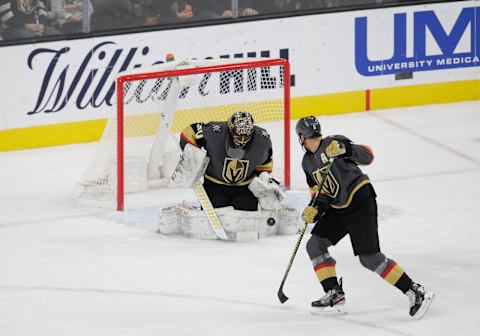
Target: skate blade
[[339, 309], [425, 305]]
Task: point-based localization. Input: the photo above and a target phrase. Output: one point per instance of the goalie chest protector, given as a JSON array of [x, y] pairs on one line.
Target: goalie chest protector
[[237, 169]]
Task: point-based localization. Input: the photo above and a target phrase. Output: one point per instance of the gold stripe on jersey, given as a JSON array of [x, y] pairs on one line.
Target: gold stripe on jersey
[[266, 167], [217, 181], [188, 135], [350, 197]]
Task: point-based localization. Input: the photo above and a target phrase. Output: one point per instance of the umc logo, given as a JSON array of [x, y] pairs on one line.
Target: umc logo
[[465, 26]]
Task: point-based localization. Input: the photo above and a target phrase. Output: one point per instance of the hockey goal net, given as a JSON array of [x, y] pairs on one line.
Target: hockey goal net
[[139, 147]]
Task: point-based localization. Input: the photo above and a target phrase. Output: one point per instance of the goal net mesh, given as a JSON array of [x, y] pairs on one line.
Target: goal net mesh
[[140, 145]]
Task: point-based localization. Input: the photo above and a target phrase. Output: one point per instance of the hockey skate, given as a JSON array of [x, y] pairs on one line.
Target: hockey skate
[[420, 300], [332, 303]]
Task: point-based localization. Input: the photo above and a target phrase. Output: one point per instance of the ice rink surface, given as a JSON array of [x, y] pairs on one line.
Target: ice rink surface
[[69, 269]]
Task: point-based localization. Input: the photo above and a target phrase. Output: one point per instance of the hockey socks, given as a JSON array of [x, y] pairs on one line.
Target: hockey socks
[[396, 276], [325, 270]]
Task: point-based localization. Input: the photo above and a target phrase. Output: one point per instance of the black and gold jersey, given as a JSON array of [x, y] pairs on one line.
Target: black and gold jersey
[[15, 14], [228, 165], [344, 179]]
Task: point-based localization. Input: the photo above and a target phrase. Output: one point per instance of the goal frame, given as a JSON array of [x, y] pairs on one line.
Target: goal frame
[[121, 80]]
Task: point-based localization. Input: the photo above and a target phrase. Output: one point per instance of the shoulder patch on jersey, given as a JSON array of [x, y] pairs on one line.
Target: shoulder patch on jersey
[[216, 128], [265, 133]]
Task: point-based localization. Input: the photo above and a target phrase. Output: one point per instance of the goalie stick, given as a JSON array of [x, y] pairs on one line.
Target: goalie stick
[[207, 206], [188, 173], [281, 295]]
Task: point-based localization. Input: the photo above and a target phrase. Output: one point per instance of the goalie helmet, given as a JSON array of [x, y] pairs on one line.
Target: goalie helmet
[[241, 125], [308, 127]]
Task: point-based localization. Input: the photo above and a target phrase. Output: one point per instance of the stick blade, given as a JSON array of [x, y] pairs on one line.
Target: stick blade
[[281, 296]]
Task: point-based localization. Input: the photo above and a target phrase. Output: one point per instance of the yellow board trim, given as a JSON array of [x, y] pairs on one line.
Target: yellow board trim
[[51, 135], [438, 93], [335, 103], [328, 104]]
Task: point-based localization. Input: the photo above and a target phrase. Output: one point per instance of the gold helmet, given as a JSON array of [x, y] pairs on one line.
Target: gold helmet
[[240, 125]]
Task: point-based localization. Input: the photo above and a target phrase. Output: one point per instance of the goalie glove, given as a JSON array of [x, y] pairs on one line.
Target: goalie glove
[[191, 167], [271, 194]]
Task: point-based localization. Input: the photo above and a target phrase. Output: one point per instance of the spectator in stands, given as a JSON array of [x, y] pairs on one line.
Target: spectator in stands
[[272, 6], [112, 14], [24, 19], [162, 12], [68, 15], [222, 8], [178, 11], [314, 4]]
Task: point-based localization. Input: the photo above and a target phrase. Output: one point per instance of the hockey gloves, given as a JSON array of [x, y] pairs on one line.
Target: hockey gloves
[[314, 211], [339, 148]]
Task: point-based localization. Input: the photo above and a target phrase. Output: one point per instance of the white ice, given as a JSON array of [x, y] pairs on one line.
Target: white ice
[[68, 269]]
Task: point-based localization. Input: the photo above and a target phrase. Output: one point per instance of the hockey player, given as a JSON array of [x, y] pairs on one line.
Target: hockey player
[[238, 151], [346, 205]]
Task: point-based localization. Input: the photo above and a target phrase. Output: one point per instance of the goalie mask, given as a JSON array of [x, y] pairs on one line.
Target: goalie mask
[[240, 125]]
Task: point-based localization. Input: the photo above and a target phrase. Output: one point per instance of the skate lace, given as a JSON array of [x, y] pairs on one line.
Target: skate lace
[[329, 295], [333, 293], [412, 297]]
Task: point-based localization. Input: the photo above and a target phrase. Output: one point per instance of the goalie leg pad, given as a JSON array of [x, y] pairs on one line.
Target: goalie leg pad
[[168, 220], [193, 223], [289, 221], [251, 221]]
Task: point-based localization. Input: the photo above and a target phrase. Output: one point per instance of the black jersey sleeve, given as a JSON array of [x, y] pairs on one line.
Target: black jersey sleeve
[[360, 154], [267, 166], [193, 134]]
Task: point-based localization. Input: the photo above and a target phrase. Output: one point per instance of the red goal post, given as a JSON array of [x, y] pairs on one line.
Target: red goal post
[[155, 104]]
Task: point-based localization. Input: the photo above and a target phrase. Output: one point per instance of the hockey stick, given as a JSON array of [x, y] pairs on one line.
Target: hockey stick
[[207, 206], [281, 295]]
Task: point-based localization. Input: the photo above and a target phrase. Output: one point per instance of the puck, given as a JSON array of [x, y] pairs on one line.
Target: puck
[[271, 221]]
